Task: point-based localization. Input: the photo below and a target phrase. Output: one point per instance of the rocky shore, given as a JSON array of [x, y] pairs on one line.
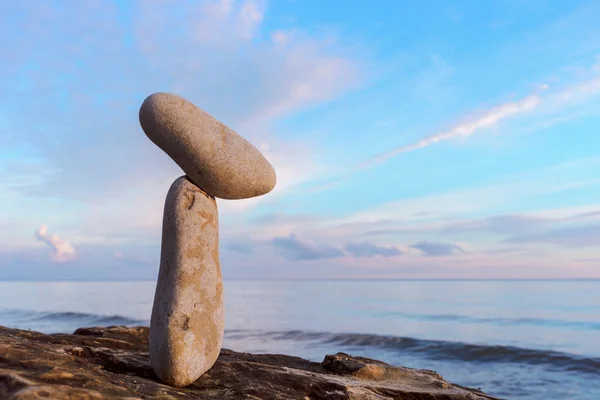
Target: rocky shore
[[113, 363]]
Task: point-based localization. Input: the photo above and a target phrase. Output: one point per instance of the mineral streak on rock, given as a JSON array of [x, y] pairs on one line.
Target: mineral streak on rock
[[214, 157], [187, 324]]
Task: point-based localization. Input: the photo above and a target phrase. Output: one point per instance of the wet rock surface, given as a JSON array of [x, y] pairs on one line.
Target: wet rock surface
[[113, 363]]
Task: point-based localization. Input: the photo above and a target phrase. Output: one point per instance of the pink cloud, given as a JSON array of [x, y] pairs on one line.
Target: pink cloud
[[62, 251]]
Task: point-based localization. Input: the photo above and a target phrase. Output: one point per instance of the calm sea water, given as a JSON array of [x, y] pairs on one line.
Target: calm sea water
[[514, 339]]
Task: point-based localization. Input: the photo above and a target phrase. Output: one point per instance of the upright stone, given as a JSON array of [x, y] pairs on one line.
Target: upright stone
[[187, 324]]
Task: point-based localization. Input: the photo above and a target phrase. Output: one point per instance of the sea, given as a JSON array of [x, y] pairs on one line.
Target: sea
[[513, 339]]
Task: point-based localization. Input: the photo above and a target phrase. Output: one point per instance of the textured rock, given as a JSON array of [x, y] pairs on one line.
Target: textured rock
[[187, 324], [112, 363], [214, 157]]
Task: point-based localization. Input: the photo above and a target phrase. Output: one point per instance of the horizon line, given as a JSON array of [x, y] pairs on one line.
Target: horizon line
[[320, 279]]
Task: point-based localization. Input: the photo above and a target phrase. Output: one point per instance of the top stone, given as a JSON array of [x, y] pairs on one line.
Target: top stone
[[214, 157]]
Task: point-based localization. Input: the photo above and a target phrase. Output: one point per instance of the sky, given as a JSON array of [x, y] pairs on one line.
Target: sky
[[411, 140]]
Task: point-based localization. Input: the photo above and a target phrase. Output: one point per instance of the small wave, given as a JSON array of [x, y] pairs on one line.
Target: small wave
[[442, 350], [586, 325], [432, 349], [20, 317]]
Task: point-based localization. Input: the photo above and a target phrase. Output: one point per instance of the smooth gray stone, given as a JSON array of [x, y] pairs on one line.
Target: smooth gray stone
[[188, 318], [214, 157]]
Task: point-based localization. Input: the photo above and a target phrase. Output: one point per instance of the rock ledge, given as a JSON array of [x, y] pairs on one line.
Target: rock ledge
[[113, 363]]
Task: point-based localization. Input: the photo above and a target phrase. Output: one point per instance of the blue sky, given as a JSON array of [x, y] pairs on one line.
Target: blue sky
[[432, 139]]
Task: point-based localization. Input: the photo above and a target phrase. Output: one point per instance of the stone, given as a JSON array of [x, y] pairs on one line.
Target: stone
[[113, 364], [187, 323], [214, 157]]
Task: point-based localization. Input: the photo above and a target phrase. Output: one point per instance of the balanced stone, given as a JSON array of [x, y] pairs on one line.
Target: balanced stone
[[187, 323], [213, 156]]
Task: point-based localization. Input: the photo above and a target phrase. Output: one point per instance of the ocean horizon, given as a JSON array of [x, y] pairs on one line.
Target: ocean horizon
[[328, 279], [515, 339]]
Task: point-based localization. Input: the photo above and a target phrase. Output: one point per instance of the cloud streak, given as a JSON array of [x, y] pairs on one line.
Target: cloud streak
[[567, 98], [569, 94], [466, 129], [438, 249], [574, 237], [294, 249], [366, 249], [62, 251]]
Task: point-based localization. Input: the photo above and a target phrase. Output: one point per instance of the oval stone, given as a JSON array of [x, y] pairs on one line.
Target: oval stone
[[214, 157], [188, 317]]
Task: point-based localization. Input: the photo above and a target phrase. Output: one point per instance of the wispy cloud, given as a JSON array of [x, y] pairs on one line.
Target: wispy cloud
[[434, 249], [62, 251], [545, 102], [366, 249], [562, 97], [498, 224], [463, 130], [224, 22], [293, 248], [576, 237], [479, 217]]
